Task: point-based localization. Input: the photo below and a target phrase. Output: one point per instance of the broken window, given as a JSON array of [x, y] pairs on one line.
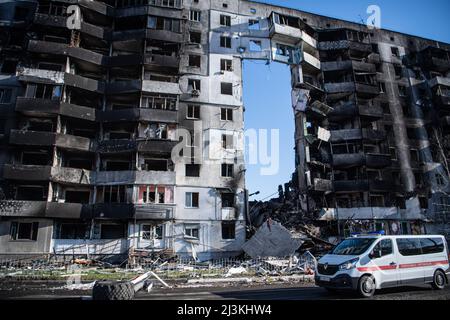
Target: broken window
[[255, 45], [227, 170], [398, 71], [5, 96], [192, 170], [195, 61], [228, 230], [382, 87], [118, 166], [157, 131], [24, 230], [393, 153], [151, 232], [226, 114], [192, 231], [225, 42], [72, 231], [414, 155], [227, 200], [386, 108], [195, 37], [116, 194], [401, 91], [31, 193], [226, 65], [395, 52], [36, 158], [377, 200], [155, 165], [20, 13], [225, 20], [160, 23], [253, 24], [227, 141], [159, 101], [112, 231], [195, 15], [193, 112], [194, 85], [73, 196], [43, 91], [226, 88], [191, 200]]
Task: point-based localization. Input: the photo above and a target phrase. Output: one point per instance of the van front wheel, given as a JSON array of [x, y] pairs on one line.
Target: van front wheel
[[366, 286], [438, 280]]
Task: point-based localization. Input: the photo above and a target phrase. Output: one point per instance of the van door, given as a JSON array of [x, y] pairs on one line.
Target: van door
[[410, 261], [384, 259], [434, 255]]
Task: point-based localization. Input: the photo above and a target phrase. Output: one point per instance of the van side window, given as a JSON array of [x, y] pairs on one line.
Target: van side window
[[385, 246], [409, 247], [432, 245]]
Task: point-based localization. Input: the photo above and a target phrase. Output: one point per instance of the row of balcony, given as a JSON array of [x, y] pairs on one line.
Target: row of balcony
[[344, 186], [125, 211], [149, 59], [76, 143], [84, 177], [46, 107], [364, 134], [349, 110], [99, 86], [365, 89]]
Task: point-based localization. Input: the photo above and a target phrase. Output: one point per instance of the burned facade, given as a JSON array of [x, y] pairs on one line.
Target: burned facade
[[90, 117]]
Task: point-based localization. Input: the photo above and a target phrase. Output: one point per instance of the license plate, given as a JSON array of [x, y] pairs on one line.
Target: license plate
[[325, 279]]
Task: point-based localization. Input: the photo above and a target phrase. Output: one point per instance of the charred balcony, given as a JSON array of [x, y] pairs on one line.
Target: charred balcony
[[44, 107], [26, 172], [352, 160], [139, 114], [436, 59], [38, 138], [135, 177], [357, 134]]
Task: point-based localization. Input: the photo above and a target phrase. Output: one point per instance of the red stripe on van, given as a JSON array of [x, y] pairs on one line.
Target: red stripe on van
[[422, 264], [402, 266]]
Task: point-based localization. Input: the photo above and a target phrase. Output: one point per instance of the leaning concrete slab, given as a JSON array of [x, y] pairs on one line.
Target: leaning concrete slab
[[272, 240]]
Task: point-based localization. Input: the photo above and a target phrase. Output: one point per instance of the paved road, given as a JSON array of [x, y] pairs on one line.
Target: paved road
[[274, 292], [290, 293]]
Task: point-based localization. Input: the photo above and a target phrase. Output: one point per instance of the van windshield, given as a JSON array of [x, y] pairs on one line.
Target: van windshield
[[353, 247]]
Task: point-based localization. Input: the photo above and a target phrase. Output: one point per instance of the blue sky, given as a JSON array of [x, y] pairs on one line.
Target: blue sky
[[267, 87]]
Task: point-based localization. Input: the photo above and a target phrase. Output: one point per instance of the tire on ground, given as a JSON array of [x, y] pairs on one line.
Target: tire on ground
[[113, 290]]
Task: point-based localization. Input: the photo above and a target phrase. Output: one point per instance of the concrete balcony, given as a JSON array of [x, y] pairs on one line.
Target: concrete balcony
[[340, 87], [38, 138], [438, 64], [21, 208], [351, 186], [382, 186], [64, 210], [145, 33], [117, 211], [370, 112], [439, 81], [347, 161], [135, 177], [322, 185], [367, 90], [26, 172], [228, 214], [45, 107], [117, 146], [157, 147], [357, 134], [336, 65], [91, 247], [161, 87], [290, 35], [343, 110], [161, 10], [81, 82], [140, 114], [44, 76], [345, 44], [160, 212], [162, 61], [378, 161], [73, 176], [310, 63], [129, 86]]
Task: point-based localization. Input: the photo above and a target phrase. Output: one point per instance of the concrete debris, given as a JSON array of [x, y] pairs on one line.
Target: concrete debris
[[272, 240], [234, 271], [80, 286]]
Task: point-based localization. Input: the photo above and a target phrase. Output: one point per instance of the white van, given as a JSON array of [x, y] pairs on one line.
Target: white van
[[366, 263]]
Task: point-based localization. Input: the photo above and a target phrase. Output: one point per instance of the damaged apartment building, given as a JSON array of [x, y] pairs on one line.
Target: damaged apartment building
[[91, 111]]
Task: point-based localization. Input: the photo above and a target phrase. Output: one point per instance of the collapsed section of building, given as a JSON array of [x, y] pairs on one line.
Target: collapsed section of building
[[94, 94]]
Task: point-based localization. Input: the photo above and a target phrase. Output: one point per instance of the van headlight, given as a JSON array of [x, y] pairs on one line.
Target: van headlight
[[349, 264]]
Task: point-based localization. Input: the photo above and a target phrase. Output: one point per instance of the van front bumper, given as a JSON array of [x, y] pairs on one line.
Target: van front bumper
[[341, 282]]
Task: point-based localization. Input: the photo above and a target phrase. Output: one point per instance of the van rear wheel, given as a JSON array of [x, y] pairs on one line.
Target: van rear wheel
[[366, 286], [438, 280]]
